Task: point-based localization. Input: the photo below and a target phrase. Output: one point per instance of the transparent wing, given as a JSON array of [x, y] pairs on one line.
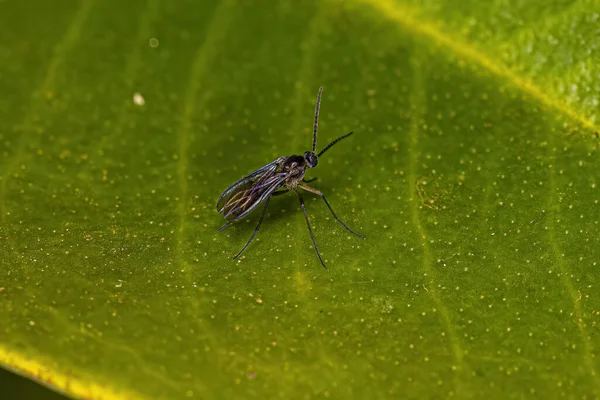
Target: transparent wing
[[239, 199]]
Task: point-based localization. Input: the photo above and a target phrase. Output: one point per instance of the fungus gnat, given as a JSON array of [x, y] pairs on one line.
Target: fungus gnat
[[279, 177]]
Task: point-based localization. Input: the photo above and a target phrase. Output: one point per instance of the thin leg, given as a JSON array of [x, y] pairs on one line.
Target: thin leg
[[279, 192], [310, 180], [224, 226], [319, 193], [309, 229], [255, 229]]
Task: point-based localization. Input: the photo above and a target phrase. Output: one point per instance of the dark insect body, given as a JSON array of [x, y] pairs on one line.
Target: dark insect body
[[278, 177]]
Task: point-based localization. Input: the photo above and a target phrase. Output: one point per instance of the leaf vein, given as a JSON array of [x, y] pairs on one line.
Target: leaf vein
[[206, 53], [131, 68], [305, 73], [469, 52], [418, 105], [573, 294], [67, 43]]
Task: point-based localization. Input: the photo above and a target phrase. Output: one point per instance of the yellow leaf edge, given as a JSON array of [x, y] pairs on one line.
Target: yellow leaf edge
[[60, 381]]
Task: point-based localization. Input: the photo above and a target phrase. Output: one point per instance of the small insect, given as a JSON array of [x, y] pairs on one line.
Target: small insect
[[278, 177]]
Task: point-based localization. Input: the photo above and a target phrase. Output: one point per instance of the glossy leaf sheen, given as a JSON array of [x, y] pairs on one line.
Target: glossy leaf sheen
[[473, 174]]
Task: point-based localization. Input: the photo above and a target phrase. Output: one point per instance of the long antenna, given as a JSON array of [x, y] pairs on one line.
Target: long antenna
[[316, 124], [334, 142]]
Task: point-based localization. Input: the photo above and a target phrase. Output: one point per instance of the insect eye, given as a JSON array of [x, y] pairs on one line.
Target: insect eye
[[311, 159]]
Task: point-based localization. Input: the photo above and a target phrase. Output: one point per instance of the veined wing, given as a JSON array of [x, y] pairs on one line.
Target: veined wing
[[239, 199]]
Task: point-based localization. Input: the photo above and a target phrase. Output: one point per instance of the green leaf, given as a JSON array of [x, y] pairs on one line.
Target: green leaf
[[472, 173]]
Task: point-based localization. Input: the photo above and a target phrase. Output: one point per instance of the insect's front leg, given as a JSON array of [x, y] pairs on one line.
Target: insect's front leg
[[310, 180], [312, 237], [319, 193]]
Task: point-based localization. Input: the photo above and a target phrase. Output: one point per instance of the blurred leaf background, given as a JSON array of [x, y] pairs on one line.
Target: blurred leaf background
[[472, 173]]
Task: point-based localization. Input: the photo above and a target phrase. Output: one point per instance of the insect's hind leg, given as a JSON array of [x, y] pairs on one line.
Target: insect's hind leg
[[255, 229], [319, 193], [309, 228], [224, 226], [279, 192], [310, 180]]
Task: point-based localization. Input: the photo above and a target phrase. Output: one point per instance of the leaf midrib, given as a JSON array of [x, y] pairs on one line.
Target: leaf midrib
[[465, 50]]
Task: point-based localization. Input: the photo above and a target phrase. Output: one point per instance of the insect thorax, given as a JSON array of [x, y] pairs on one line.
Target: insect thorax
[[294, 167]]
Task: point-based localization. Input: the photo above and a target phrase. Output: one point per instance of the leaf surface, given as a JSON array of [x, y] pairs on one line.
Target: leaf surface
[[472, 173]]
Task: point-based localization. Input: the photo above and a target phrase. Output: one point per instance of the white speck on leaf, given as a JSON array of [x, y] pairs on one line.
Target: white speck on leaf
[[138, 99]]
